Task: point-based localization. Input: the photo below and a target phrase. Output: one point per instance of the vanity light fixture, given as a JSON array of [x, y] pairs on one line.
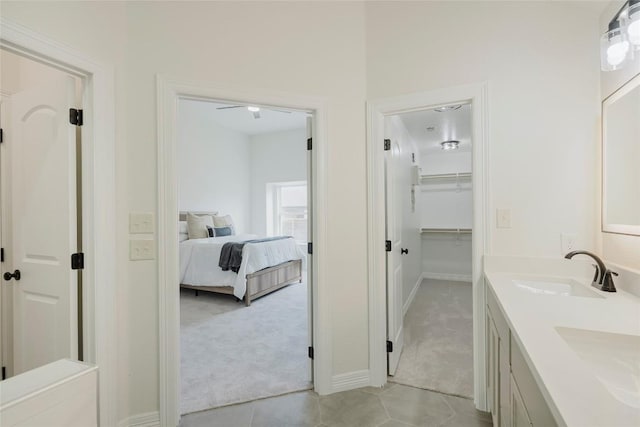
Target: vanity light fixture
[[622, 38], [450, 145]]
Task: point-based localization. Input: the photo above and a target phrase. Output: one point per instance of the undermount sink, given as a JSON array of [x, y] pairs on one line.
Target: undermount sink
[[556, 287], [613, 358]]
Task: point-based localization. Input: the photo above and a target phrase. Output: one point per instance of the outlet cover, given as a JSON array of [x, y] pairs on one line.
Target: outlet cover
[[503, 218], [568, 242], [141, 223], [141, 250]]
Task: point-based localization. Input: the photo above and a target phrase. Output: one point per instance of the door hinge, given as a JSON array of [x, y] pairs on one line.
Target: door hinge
[[310, 352], [389, 347], [4, 373], [387, 144], [1, 136], [309, 248], [75, 117], [1, 254], [309, 143], [77, 261], [387, 245]]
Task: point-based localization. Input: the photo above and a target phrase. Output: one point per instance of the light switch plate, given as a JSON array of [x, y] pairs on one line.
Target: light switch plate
[[503, 218], [141, 250], [141, 223]]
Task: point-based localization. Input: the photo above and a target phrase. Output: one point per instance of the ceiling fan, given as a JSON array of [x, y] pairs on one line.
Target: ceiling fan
[[253, 109]]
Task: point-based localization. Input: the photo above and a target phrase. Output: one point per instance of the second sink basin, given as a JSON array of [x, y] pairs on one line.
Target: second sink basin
[[613, 358], [556, 287]]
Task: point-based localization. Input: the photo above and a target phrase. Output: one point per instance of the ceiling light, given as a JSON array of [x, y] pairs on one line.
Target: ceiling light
[[450, 145], [447, 108], [253, 109]]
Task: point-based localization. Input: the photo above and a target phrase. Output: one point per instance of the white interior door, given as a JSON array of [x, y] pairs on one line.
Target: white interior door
[[43, 202], [393, 196]]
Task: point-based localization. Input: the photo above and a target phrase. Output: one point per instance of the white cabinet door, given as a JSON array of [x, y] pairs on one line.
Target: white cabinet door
[[493, 370], [43, 200], [519, 415], [394, 263]]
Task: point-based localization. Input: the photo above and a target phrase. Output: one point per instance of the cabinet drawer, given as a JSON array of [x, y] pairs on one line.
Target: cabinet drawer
[[536, 407]]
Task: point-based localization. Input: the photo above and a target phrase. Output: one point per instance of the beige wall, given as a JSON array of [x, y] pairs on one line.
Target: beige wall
[[617, 248], [541, 65]]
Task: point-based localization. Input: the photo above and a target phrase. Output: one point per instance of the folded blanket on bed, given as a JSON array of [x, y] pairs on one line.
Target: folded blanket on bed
[[231, 253]]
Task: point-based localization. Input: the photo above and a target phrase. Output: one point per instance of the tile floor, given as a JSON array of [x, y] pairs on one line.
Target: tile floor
[[394, 405]]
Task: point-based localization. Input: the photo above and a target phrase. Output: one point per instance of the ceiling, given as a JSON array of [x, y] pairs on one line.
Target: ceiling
[[242, 120], [455, 124]]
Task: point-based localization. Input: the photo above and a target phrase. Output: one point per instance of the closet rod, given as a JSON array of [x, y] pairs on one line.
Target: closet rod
[[447, 175], [446, 230]]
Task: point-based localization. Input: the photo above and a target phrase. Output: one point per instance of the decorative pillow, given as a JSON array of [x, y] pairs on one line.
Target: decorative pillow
[[182, 227], [197, 225], [183, 236], [223, 231], [224, 221], [210, 231]]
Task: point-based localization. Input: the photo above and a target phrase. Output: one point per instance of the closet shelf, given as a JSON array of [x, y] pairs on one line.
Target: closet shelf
[[446, 230], [445, 176]]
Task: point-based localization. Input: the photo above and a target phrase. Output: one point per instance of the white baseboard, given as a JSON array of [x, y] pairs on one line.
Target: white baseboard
[[412, 295], [148, 419], [445, 276], [350, 380]]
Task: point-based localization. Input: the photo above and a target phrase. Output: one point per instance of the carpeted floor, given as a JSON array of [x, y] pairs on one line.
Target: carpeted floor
[[231, 353], [438, 339]]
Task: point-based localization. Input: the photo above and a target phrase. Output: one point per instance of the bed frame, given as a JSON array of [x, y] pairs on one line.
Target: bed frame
[[261, 282]]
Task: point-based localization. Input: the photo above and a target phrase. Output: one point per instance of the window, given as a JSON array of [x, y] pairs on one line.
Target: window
[[289, 209]]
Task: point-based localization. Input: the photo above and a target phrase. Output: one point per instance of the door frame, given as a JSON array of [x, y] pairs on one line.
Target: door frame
[[169, 91], [477, 95], [98, 196]]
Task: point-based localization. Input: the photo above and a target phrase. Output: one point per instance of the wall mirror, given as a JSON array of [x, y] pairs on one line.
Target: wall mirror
[[621, 160]]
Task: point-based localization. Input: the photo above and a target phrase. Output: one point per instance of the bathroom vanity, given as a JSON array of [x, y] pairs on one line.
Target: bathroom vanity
[[560, 352]]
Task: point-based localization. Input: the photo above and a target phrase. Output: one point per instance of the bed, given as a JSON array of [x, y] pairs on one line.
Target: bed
[[266, 266]]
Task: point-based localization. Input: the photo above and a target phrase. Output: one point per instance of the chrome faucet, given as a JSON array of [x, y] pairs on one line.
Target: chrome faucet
[[603, 278]]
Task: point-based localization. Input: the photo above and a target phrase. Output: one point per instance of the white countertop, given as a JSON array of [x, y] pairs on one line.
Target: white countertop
[[572, 391]]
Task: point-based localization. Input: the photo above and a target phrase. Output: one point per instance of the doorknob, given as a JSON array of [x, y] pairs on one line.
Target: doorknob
[[15, 275], [404, 251]]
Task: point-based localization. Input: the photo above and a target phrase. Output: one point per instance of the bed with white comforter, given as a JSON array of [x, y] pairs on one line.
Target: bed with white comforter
[[199, 260]]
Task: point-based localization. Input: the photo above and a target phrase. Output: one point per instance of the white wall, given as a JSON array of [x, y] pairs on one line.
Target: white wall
[[443, 205], [617, 248], [275, 157], [411, 262], [542, 73], [214, 166], [224, 43]]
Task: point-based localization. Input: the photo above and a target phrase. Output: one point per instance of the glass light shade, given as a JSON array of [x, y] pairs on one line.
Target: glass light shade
[[614, 49], [633, 24], [450, 145]]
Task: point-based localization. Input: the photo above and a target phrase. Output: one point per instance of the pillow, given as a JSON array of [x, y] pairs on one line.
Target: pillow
[[210, 231], [223, 222], [182, 237], [197, 225], [223, 231], [182, 227]]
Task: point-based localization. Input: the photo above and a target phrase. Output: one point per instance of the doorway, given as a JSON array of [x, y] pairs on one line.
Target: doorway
[[169, 93], [42, 305], [98, 196], [387, 305], [429, 210], [245, 332]]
